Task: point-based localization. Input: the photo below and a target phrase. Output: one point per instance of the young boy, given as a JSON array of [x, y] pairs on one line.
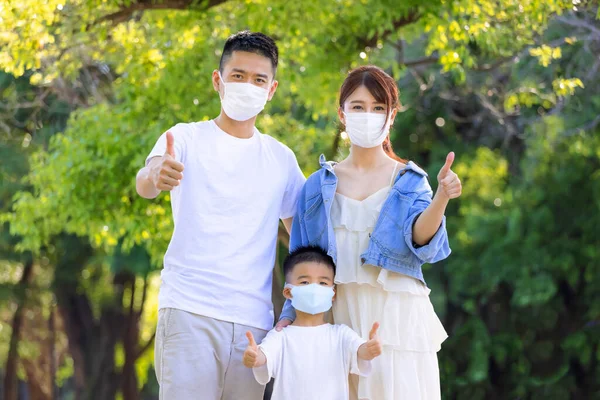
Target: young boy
[[311, 359]]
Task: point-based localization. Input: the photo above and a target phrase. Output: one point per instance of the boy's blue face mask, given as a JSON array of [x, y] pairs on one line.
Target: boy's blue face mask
[[311, 299]]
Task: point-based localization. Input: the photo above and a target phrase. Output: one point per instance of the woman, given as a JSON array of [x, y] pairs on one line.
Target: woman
[[376, 216]]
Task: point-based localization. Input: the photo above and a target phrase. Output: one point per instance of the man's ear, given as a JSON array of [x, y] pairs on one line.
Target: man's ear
[[216, 80], [287, 293], [273, 89]]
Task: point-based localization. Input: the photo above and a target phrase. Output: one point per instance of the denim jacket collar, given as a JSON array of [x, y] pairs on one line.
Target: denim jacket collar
[[410, 166]]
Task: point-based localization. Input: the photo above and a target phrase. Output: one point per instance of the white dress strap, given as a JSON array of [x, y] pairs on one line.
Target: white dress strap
[[394, 174]]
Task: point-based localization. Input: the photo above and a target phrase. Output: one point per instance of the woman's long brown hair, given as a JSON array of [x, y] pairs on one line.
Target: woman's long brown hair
[[381, 86]]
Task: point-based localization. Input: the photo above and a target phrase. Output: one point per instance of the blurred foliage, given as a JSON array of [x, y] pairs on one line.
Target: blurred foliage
[[510, 85]]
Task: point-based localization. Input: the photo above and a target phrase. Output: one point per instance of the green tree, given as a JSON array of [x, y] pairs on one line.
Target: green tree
[[516, 77]]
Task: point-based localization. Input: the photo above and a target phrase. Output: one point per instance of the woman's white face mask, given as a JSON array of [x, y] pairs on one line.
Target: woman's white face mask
[[367, 130]]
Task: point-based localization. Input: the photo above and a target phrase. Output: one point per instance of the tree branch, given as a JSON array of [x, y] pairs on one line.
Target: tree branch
[[421, 61], [408, 19], [126, 12], [585, 127], [145, 347], [144, 292], [579, 23]]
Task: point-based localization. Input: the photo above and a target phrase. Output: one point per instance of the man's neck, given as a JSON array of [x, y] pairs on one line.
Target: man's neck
[[304, 319], [238, 129]]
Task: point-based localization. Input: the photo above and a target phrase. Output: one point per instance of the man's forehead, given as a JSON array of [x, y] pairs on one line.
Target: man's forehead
[[249, 63]]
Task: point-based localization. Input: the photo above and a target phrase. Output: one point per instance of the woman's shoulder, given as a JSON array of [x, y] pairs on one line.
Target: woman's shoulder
[[415, 179]]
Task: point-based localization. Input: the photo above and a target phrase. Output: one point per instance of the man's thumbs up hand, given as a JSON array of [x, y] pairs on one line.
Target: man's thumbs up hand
[[167, 174], [170, 144]]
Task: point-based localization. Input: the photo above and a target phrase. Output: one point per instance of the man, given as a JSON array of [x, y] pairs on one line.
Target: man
[[229, 186]]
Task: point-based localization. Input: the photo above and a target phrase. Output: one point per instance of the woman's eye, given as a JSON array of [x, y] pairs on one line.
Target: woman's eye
[[357, 108], [379, 108]]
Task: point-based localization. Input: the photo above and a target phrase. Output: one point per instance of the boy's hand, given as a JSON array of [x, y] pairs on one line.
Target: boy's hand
[[373, 346], [251, 353]]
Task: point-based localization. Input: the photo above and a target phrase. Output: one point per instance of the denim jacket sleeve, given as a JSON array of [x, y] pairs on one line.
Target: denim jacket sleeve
[[288, 311], [438, 247], [298, 237]]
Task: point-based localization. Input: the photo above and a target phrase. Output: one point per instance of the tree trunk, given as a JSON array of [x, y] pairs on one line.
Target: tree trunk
[[10, 377], [130, 347]]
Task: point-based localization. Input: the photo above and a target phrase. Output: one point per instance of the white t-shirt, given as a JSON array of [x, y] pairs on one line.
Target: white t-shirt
[[226, 215], [310, 363]]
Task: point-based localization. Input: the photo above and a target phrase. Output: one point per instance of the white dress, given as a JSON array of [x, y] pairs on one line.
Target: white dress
[[410, 331]]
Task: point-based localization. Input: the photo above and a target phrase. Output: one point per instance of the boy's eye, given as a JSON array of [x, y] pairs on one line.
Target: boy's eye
[[304, 283], [324, 283]]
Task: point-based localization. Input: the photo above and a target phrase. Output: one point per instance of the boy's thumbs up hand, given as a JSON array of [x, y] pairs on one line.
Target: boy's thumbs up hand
[[251, 353], [167, 174], [373, 345]]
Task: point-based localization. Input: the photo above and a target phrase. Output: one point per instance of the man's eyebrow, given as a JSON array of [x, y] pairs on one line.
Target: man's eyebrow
[[263, 76], [238, 70]]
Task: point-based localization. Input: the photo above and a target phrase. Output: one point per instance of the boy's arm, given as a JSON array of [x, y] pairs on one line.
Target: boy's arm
[[372, 348], [253, 356]]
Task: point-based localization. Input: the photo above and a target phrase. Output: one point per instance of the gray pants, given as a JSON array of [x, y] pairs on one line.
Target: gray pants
[[197, 357]]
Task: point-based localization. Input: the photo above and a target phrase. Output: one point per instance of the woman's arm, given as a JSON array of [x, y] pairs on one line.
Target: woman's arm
[[449, 187]]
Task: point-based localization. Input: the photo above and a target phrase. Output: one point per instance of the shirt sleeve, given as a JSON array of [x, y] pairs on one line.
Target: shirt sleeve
[[351, 341], [438, 247], [160, 147], [295, 182], [271, 347]]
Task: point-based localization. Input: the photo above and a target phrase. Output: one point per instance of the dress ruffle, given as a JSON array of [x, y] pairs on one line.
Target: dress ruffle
[[368, 294]]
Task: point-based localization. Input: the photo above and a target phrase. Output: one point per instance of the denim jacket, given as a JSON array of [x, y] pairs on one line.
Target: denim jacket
[[391, 245]]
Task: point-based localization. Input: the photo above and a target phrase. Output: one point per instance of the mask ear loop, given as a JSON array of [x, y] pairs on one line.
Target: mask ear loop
[[221, 81]]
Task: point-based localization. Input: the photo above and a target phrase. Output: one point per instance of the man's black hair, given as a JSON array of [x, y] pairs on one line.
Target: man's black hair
[[307, 254], [252, 42]]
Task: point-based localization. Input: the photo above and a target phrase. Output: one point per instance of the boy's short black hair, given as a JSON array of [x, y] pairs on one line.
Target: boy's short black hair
[[252, 42], [307, 254]]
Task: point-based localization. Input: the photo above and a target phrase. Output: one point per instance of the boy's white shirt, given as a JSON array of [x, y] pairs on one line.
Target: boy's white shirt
[[226, 214], [311, 362]]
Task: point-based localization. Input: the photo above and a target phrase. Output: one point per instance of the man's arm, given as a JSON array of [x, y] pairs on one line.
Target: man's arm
[[144, 184], [162, 173]]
